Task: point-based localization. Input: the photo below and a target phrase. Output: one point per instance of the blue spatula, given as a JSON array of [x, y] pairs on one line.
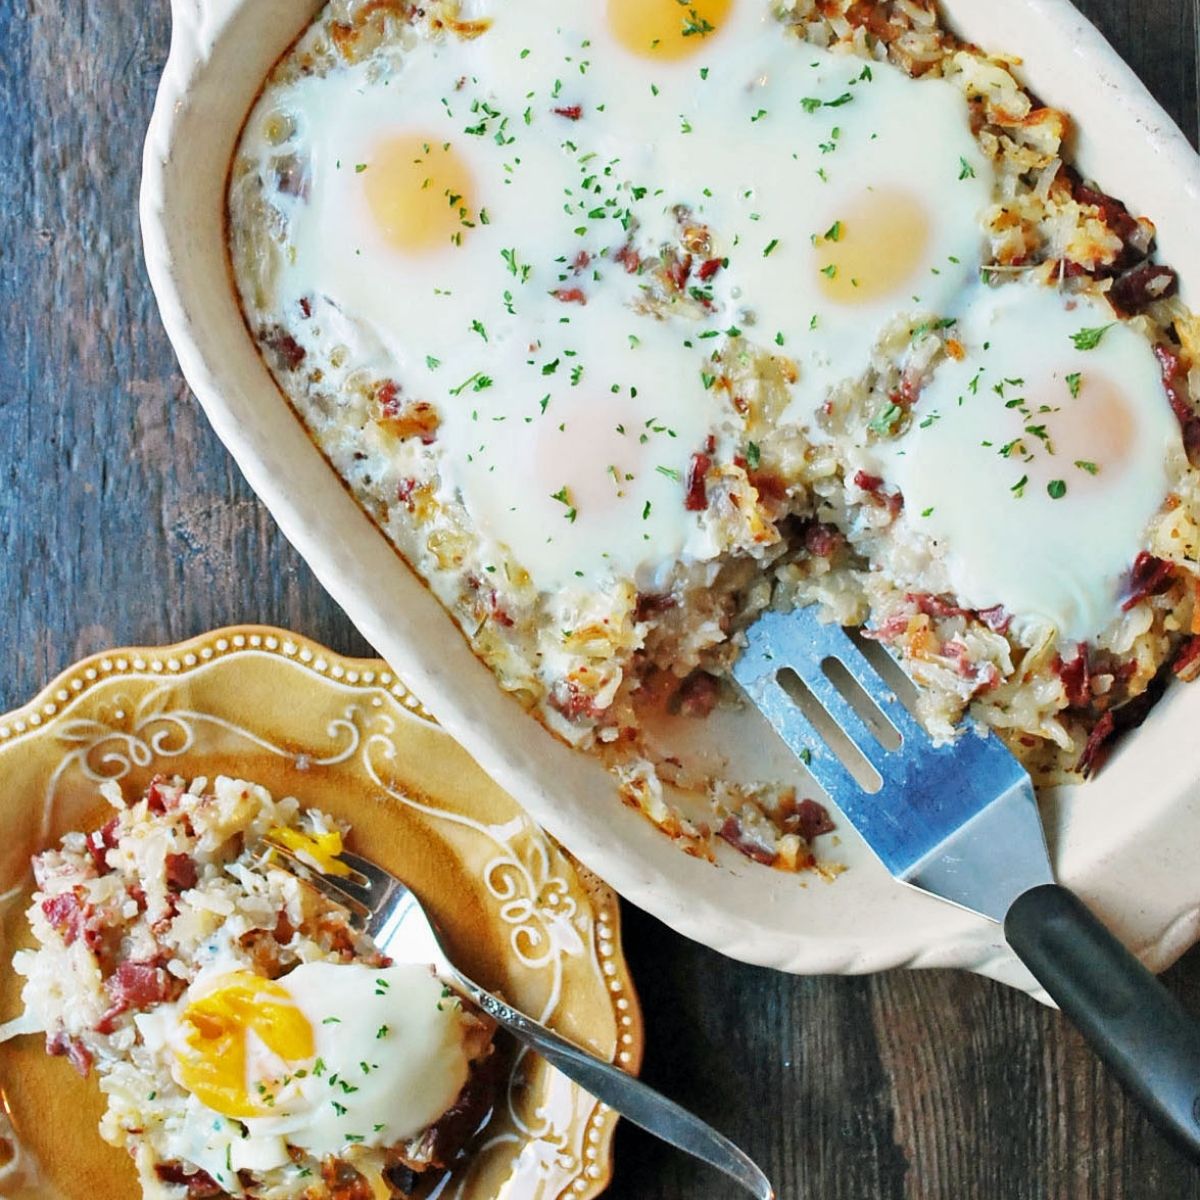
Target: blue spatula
[[961, 822]]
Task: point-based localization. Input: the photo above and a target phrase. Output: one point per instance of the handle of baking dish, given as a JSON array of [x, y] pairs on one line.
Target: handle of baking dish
[[1149, 1041]]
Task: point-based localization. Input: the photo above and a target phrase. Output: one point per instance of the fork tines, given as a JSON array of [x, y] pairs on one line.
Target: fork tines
[[345, 891]]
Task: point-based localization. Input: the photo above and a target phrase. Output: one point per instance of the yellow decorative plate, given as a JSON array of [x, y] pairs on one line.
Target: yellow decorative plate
[[346, 736]]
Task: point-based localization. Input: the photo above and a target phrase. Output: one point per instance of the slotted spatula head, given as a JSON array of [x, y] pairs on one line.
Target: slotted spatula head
[[958, 820]]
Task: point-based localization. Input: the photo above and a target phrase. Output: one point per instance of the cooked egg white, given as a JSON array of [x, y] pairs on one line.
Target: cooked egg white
[[329, 1057], [1037, 462], [458, 208]]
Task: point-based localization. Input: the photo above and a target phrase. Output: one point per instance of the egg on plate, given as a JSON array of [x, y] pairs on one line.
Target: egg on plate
[[326, 1058]]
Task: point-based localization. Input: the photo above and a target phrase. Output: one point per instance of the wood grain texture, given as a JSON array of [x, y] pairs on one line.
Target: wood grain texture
[[122, 520]]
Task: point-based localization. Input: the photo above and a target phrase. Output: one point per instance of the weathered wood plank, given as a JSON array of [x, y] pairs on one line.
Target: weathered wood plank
[[123, 520]]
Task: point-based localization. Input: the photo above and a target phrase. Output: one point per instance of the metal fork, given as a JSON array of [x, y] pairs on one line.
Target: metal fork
[[390, 913]]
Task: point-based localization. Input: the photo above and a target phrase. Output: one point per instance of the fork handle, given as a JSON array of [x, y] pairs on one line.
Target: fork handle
[[634, 1100], [1150, 1042]]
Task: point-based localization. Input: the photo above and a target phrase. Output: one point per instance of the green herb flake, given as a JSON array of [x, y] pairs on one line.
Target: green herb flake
[[563, 496], [884, 424], [1089, 339]]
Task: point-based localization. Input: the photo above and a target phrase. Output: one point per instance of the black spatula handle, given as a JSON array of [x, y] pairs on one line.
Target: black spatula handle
[[1140, 1030]]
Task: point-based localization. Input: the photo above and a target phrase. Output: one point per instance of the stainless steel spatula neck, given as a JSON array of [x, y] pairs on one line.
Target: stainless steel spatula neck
[[959, 820]]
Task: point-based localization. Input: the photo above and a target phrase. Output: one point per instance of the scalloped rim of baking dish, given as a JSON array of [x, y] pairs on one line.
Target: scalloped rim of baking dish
[[1124, 841]]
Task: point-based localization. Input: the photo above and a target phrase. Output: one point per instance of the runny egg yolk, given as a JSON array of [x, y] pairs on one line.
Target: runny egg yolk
[[322, 848], [1092, 431], [215, 1063], [666, 29], [590, 459], [418, 191], [874, 248]]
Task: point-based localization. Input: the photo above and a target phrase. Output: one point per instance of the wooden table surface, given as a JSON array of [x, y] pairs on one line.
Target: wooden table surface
[[123, 520]]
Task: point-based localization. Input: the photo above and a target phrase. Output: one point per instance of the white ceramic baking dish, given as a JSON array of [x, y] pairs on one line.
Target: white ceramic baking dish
[[1127, 842]]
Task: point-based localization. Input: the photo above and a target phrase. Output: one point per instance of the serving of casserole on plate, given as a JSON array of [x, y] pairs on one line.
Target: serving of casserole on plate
[[646, 372], [228, 1031]]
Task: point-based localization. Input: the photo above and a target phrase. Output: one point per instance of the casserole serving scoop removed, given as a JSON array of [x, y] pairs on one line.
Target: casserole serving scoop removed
[[961, 822]]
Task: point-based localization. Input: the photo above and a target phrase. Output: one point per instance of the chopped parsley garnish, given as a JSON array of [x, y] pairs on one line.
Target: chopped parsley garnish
[[927, 327], [885, 423], [1074, 383], [1057, 488], [563, 496], [515, 266], [811, 104], [753, 455], [1089, 339], [1090, 467], [1018, 488], [477, 383], [696, 26], [966, 171]]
